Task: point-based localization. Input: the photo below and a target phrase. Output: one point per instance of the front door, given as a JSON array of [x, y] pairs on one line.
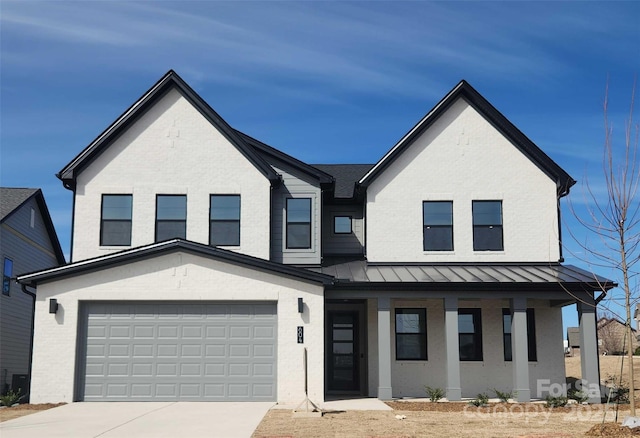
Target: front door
[[343, 357]]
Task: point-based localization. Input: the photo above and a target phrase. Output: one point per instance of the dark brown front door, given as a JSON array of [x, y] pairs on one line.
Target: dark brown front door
[[343, 351]]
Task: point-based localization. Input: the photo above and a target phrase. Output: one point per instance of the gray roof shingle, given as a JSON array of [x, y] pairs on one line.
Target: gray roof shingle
[[12, 198], [346, 176]]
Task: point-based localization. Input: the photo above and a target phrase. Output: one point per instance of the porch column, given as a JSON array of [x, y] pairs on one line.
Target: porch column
[[519, 349], [589, 352], [384, 348], [454, 392]]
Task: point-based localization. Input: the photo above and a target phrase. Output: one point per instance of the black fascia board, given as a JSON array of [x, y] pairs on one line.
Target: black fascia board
[[171, 79], [464, 90], [323, 178], [170, 246]]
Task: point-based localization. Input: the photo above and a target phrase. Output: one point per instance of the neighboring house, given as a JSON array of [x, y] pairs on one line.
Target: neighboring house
[[28, 242], [612, 336], [205, 262], [573, 338]]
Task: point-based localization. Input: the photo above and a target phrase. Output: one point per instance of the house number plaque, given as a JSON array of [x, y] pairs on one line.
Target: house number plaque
[[300, 335]]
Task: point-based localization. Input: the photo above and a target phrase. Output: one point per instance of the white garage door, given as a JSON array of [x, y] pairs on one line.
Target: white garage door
[[178, 351]]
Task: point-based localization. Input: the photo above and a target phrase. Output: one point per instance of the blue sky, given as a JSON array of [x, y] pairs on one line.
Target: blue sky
[[327, 82]]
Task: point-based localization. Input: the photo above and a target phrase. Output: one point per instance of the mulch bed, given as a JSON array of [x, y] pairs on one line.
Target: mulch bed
[[612, 430]]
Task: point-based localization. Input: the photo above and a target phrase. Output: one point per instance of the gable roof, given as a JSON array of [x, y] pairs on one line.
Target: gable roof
[[11, 199], [167, 247], [604, 321], [492, 115], [346, 177], [169, 81]]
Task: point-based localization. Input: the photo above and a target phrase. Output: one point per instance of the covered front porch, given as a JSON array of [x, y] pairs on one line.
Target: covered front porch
[[470, 330]]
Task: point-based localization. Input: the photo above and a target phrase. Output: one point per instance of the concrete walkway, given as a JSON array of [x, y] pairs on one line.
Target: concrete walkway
[[140, 420], [345, 404]]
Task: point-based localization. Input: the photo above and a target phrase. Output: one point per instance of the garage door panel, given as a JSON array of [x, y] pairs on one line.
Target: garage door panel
[[174, 351]]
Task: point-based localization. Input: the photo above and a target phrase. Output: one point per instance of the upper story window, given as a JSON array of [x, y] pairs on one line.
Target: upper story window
[[470, 334], [531, 335], [298, 223], [32, 218], [171, 217], [224, 227], [115, 223], [487, 226], [411, 334], [342, 225], [7, 273], [437, 219]]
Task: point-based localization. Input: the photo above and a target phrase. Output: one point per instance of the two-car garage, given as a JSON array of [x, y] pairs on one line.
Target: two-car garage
[[208, 351]]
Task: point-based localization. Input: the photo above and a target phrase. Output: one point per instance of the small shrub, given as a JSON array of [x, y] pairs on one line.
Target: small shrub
[[556, 402], [579, 396], [637, 352], [10, 398], [620, 394], [503, 396], [480, 400], [434, 394]]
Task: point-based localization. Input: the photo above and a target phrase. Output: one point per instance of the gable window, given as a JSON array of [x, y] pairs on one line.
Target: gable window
[[32, 218], [7, 272], [411, 334], [171, 217], [487, 226], [115, 224], [437, 217], [298, 223], [531, 335], [224, 226], [470, 334], [342, 225]]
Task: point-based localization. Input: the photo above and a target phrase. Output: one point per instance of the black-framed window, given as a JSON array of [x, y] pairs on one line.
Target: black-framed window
[[531, 335], [487, 226], [7, 273], [470, 334], [224, 227], [437, 218], [171, 217], [411, 334], [115, 223], [298, 223], [342, 225]]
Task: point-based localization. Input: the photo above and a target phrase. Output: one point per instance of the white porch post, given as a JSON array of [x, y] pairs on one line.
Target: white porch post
[[454, 391], [519, 349], [589, 352], [384, 348]]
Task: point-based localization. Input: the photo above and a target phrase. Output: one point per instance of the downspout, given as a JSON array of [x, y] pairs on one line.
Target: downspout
[[33, 317]]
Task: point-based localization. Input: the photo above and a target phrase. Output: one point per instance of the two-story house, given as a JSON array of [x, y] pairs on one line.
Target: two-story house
[[205, 263], [28, 242]]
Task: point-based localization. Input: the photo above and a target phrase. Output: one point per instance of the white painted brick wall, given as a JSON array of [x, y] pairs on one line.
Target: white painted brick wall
[[172, 277], [462, 158], [171, 149]]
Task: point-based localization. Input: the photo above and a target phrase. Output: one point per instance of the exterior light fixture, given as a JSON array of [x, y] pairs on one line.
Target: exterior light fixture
[[300, 306], [53, 305]]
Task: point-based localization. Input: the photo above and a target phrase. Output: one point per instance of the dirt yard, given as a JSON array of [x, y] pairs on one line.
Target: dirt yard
[[22, 410], [609, 366]]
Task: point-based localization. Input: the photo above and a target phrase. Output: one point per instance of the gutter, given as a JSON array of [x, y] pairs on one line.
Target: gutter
[[33, 317]]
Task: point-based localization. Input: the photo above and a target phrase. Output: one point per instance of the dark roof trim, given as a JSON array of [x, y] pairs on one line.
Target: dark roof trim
[[48, 223], [263, 148], [166, 247], [170, 80], [499, 121]]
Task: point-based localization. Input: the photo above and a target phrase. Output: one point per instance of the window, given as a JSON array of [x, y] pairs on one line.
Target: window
[[487, 226], [411, 334], [115, 227], [470, 334], [531, 334], [438, 225], [224, 227], [171, 217], [32, 219], [342, 225], [298, 223], [7, 272]]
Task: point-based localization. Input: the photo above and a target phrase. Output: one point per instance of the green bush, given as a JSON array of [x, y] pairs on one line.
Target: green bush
[[434, 394], [480, 400], [503, 396], [578, 396], [556, 402], [10, 398], [637, 352]]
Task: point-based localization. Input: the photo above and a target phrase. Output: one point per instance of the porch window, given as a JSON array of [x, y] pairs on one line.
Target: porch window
[[115, 221], [487, 226], [531, 335], [470, 334], [437, 217], [171, 217], [411, 334]]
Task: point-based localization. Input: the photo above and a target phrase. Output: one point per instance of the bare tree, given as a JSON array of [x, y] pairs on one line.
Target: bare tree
[[614, 217]]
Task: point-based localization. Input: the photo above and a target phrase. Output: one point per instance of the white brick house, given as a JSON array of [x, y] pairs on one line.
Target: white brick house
[[205, 262]]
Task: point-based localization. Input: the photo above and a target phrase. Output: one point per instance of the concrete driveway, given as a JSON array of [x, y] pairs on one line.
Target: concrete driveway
[[140, 419]]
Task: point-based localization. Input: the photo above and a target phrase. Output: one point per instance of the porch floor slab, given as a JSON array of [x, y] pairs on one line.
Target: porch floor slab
[[346, 404]]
